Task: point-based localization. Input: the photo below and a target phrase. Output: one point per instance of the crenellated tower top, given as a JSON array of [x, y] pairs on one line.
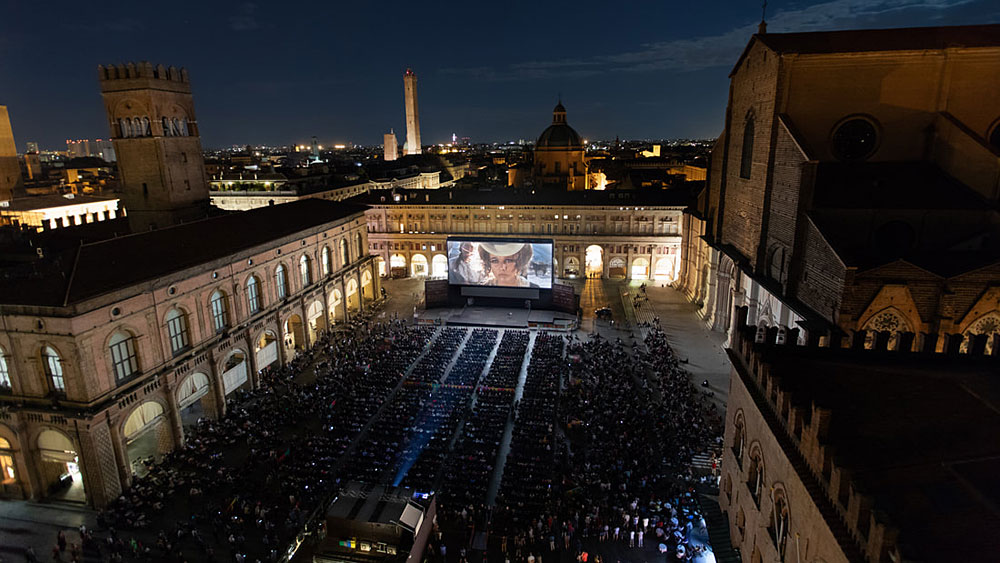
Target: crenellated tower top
[[130, 76]]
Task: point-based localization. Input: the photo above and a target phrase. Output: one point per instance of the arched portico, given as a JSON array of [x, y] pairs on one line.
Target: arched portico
[[294, 335], [316, 320], [266, 350], [353, 298], [367, 287], [336, 307], [146, 437], [235, 371], [60, 472], [640, 269], [594, 261], [418, 265], [194, 399], [439, 266]]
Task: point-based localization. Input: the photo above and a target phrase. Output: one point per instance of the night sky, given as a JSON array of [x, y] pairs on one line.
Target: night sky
[[279, 73]]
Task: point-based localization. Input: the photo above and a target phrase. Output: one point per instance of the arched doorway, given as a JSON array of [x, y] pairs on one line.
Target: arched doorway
[[353, 300], [266, 350], [336, 307], [640, 269], [418, 265], [294, 337], [664, 270], [380, 264], [616, 267], [317, 321], [234, 372], [60, 474], [142, 432], [439, 266], [397, 266], [594, 261], [367, 289], [193, 399], [10, 485], [572, 267]]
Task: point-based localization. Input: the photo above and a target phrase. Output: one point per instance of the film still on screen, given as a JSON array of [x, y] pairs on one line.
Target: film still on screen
[[500, 263]]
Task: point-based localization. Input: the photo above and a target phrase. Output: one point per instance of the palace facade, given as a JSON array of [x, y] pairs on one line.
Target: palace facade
[[616, 234]]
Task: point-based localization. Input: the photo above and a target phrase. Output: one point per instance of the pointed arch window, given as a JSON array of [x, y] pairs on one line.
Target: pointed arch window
[[177, 331], [746, 154], [165, 122], [755, 476], [123, 357], [779, 521], [52, 365]]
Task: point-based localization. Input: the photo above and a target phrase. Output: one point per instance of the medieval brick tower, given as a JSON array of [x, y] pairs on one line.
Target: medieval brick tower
[[412, 145], [155, 133]]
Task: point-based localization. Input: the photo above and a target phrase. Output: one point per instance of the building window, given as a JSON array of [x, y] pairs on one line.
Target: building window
[[344, 260], [253, 295], [778, 525], [755, 477], [166, 126], [305, 271], [281, 279], [325, 257], [123, 356], [220, 311], [739, 438], [854, 139], [360, 245], [746, 156], [177, 331], [4, 373], [52, 365], [994, 138]]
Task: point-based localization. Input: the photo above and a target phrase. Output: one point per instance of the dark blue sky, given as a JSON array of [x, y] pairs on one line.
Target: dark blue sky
[[281, 72]]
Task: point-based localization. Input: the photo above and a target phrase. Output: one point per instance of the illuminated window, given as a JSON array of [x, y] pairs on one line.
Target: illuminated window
[[281, 280], [854, 139], [123, 357], [305, 271], [177, 331], [746, 156], [778, 524], [52, 365], [253, 295], [220, 311], [344, 259], [325, 257], [4, 373]]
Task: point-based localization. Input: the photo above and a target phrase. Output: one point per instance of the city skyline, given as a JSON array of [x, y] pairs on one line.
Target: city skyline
[[666, 77]]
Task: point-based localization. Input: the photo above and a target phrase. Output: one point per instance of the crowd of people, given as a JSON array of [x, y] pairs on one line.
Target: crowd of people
[[601, 438], [631, 420], [471, 468], [242, 486]]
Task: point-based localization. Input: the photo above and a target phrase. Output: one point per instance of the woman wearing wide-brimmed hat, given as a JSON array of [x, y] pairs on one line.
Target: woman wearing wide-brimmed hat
[[505, 263]]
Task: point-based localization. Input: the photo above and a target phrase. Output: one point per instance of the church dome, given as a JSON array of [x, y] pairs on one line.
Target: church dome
[[559, 135]]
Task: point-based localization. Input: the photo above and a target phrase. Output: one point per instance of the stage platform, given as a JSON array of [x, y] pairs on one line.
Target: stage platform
[[498, 317]]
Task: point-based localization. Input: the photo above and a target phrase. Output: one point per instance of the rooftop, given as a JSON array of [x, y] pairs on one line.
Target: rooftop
[[50, 201], [539, 196], [71, 275], [919, 433]]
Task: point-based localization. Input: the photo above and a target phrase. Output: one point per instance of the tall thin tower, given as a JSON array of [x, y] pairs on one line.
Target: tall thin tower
[[412, 145]]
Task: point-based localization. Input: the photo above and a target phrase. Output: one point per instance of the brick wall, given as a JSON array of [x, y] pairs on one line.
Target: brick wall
[[821, 283], [754, 89]]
